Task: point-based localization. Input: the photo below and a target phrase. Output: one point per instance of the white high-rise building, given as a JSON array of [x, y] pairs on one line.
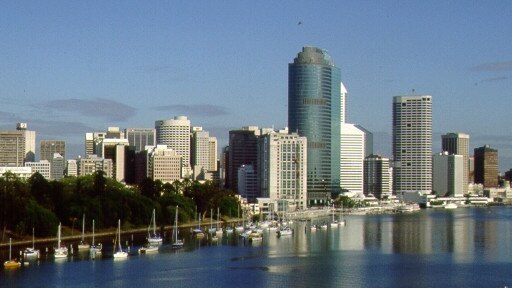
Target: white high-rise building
[[448, 174], [412, 146], [175, 133], [17, 147], [200, 149], [282, 165], [352, 153], [115, 149], [343, 102], [93, 163], [71, 168], [458, 143]]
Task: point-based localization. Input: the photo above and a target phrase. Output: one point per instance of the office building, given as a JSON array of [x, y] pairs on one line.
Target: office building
[[91, 164], [42, 167], [17, 146], [163, 164], [57, 166], [243, 150], [175, 133], [412, 145], [458, 143], [116, 150], [352, 154], [447, 175], [282, 164], [212, 154], [140, 137], [314, 103], [486, 166], [377, 176], [50, 147], [247, 183], [200, 150], [91, 140], [71, 168]]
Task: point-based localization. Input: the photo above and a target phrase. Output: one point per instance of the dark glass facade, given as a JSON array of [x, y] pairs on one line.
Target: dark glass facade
[[314, 102]]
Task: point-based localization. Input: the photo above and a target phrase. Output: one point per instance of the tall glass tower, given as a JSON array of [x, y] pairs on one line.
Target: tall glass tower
[[314, 103]]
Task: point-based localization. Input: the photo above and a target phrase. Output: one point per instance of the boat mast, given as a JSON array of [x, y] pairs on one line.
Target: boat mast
[[83, 227], [92, 232]]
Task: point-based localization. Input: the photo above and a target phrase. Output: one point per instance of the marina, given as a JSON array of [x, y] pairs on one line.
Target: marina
[[381, 250]]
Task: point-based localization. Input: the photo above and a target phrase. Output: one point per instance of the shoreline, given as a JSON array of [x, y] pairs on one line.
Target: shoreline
[[107, 233]]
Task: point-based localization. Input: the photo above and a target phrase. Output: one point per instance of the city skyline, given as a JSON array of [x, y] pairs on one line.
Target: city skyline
[[72, 68]]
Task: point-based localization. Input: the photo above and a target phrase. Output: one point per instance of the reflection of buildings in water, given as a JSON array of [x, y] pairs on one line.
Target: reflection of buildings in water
[[463, 239], [442, 231], [378, 233], [490, 239], [351, 236], [412, 234]]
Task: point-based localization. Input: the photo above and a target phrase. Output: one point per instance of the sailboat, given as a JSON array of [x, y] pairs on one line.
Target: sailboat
[[61, 251], [211, 230], [154, 239], [176, 242], [198, 232], [334, 222], [83, 245], [95, 249], [11, 263], [238, 227], [218, 229], [31, 252], [119, 253]]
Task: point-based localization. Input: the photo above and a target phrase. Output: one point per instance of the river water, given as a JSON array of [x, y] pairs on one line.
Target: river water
[[465, 247]]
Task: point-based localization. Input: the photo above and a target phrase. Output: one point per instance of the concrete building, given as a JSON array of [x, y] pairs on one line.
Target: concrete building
[[243, 150], [91, 140], [213, 151], [486, 166], [314, 104], [352, 153], [71, 168], [163, 164], [17, 146], [412, 145], [116, 150], [175, 133], [49, 147], [93, 163], [282, 164], [448, 175], [140, 137], [42, 167], [458, 143], [20, 172], [57, 166], [377, 176], [200, 150], [248, 183]]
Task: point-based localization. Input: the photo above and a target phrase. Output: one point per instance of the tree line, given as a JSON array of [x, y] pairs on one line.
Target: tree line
[[42, 204]]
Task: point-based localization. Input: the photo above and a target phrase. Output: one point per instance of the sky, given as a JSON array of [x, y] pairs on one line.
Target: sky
[[71, 67]]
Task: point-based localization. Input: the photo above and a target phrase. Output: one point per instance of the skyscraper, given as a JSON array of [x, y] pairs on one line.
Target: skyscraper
[[140, 137], [447, 174], [352, 153], [17, 147], [412, 144], [50, 147], [377, 176], [314, 103], [486, 166], [243, 150], [175, 133], [458, 143]]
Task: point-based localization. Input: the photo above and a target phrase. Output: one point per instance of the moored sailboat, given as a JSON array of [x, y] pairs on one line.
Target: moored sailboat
[[31, 252], [119, 253], [11, 263], [61, 251], [176, 242], [95, 249], [155, 238], [83, 245]]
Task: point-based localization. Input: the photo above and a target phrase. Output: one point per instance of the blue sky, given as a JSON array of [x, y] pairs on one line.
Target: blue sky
[[69, 67]]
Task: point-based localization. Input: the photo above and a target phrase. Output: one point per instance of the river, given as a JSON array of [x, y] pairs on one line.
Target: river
[[465, 247]]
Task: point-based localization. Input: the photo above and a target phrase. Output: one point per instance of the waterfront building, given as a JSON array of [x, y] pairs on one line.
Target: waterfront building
[[412, 145], [377, 176], [486, 166], [352, 153], [282, 164], [163, 163], [42, 167], [248, 183], [175, 133], [447, 175], [243, 150], [458, 143], [314, 104], [93, 163], [49, 147], [17, 146], [140, 137]]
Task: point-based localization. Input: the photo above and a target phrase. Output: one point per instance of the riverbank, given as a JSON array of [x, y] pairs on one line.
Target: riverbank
[[102, 234]]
